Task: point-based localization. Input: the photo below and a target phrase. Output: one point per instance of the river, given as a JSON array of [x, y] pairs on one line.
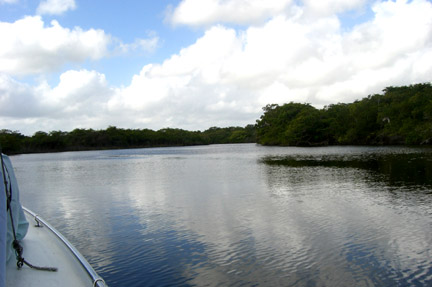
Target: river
[[241, 215]]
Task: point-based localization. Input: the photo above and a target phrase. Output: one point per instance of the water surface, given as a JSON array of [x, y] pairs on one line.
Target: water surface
[[241, 215]]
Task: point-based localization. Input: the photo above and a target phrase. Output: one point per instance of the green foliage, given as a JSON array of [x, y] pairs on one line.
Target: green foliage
[[338, 120], [292, 124], [215, 135], [113, 137], [271, 127], [308, 128], [402, 115], [10, 141]]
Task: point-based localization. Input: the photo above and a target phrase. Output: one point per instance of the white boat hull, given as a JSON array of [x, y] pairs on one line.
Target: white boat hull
[[46, 247]]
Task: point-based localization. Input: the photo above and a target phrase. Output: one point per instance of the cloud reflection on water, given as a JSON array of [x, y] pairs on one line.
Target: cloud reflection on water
[[225, 215]]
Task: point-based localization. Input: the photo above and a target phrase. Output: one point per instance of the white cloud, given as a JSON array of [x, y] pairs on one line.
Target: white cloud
[[206, 12], [389, 50], [77, 101], [8, 1], [147, 45], [247, 12], [55, 7], [18, 100], [331, 7], [79, 92], [285, 60], [178, 92], [399, 28], [30, 47], [228, 75]]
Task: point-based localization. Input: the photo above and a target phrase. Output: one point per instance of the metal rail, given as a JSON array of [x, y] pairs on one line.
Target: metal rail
[[97, 280]]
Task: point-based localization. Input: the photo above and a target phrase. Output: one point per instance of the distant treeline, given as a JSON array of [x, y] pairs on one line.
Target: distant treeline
[[401, 115], [14, 142]]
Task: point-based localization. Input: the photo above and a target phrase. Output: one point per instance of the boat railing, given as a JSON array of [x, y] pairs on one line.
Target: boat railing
[[97, 280]]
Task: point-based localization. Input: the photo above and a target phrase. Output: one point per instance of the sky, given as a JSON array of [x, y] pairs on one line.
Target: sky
[[195, 64]]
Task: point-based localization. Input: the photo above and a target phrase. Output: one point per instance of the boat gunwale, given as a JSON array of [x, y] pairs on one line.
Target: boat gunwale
[[97, 280]]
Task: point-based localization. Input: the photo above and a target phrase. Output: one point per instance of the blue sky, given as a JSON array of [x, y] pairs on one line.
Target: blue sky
[[194, 64], [122, 20]]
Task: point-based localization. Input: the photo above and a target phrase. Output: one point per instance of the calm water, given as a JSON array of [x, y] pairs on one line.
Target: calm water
[[241, 215]]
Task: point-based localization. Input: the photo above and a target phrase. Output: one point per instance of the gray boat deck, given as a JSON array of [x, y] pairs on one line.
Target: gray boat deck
[[42, 247]]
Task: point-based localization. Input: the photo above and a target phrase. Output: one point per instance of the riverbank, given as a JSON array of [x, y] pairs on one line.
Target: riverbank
[[399, 116], [118, 138]]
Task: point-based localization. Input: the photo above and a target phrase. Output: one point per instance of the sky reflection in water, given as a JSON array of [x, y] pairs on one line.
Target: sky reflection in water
[[241, 214]]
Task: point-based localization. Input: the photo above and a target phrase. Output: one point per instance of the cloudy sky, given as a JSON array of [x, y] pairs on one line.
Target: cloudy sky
[[194, 64]]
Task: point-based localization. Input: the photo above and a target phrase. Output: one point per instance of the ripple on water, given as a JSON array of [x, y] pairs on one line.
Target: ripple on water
[[242, 215]]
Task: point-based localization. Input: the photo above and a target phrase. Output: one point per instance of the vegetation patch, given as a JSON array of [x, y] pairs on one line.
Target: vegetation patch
[[401, 115]]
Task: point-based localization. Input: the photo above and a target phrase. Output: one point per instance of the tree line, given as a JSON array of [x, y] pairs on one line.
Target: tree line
[[14, 142], [401, 115]]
